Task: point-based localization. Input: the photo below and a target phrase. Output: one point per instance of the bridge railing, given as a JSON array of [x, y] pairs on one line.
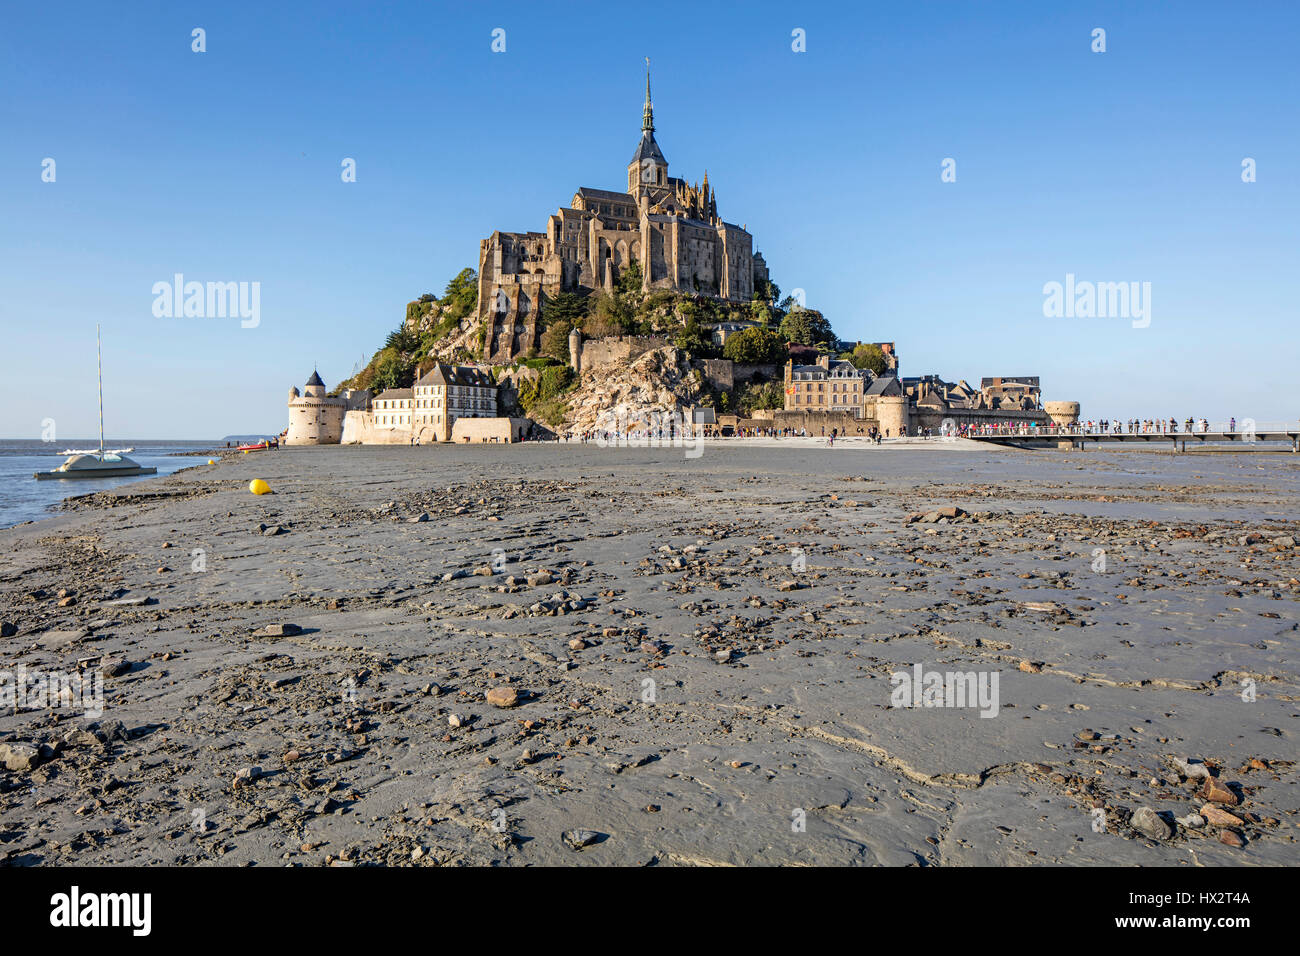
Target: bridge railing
[[1241, 427]]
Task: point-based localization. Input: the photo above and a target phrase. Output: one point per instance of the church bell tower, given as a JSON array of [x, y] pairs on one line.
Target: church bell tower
[[648, 167]]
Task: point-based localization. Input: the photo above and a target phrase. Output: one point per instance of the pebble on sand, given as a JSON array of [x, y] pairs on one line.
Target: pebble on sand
[[20, 757], [503, 697], [1150, 824], [1217, 792], [281, 630], [578, 839]]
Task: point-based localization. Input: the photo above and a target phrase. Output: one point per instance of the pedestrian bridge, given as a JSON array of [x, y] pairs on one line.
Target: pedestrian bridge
[[1178, 441]]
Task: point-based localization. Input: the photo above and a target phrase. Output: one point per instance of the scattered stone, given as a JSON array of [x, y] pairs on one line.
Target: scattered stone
[[578, 839], [1231, 838], [503, 697], [1191, 769], [1150, 824], [281, 630], [8, 629], [1217, 792], [114, 666], [20, 758], [422, 517], [1220, 817], [130, 602]]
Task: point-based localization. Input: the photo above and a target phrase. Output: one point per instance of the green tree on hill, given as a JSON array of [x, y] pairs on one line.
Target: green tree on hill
[[755, 347], [555, 340], [460, 298], [629, 280], [563, 307], [868, 356]]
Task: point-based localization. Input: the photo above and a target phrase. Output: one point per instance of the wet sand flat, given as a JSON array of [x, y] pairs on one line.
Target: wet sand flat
[[568, 654]]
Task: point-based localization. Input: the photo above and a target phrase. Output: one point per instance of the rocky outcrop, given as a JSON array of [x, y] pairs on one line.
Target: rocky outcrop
[[660, 381]]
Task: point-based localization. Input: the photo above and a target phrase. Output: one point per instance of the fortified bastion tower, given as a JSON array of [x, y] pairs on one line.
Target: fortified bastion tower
[[314, 418]]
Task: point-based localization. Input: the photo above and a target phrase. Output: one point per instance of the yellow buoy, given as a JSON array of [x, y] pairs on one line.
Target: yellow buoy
[[259, 487], [212, 461]]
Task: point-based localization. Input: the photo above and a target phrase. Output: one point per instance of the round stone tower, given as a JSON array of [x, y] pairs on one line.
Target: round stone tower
[[891, 415], [314, 418], [1062, 413]]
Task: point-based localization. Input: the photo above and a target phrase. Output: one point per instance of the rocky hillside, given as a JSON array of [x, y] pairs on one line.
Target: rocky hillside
[[661, 380]]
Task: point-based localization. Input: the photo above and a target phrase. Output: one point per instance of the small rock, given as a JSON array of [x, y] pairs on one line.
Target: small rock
[[281, 630], [1217, 792], [20, 757], [1191, 769], [1231, 838], [114, 666], [503, 697], [419, 519], [1219, 817], [1150, 824], [577, 839]]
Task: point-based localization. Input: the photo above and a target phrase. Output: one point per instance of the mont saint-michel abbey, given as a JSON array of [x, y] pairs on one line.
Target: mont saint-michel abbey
[[670, 228]]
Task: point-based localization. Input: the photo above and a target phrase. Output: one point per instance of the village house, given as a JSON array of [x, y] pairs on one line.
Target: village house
[[447, 393], [832, 385]]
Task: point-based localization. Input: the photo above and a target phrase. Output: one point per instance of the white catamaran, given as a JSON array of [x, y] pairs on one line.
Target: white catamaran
[[97, 464]]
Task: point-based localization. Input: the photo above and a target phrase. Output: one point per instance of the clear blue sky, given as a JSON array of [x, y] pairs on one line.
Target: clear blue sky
[[224, 166]]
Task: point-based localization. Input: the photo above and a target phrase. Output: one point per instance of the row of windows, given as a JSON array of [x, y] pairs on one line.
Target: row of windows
[[801, 399], [396, 420]]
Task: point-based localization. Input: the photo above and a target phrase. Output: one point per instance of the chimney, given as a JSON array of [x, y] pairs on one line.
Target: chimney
[[824, 361]]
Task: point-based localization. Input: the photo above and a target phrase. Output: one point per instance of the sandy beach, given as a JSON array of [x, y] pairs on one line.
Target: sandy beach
[[568, 654]]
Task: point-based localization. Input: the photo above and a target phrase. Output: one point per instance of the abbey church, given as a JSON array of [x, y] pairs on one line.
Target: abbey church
[[670, 228]]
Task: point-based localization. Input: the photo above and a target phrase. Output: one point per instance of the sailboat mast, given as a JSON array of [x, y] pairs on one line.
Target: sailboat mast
[[99, 357]]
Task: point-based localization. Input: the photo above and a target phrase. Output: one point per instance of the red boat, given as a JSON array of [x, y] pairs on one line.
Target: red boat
[[260, 446]]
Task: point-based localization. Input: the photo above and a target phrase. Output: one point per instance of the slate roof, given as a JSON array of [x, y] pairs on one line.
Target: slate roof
[[462, 375], [647, 149], [315, 379], [587, 192]]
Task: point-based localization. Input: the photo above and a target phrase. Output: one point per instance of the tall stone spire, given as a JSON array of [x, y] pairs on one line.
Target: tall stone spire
[[648, 115]]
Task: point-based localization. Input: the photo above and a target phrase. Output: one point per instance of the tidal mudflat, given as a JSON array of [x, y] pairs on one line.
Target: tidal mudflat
[[562, 654]]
